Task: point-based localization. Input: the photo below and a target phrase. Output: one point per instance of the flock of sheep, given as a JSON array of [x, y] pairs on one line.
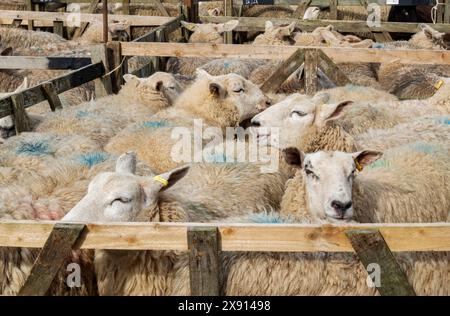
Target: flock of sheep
[[373, 151]]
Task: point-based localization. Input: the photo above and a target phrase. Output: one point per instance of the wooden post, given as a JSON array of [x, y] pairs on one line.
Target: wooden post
[[228, 36], [191, 10], [30, 8], [311, 62], [447, 11], [103, 86], [48, 263], [371, 248], [52, 97], [273, 83], [21, 119], [79, 31], [333, 10], [126, 11], [58, 28], [105, 20], [440, 12], [332, 70], [203, 244], [114, 61]]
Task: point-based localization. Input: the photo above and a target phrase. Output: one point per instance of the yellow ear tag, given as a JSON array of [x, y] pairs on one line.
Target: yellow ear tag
[[438, 84], [358, 166], [163, 181]]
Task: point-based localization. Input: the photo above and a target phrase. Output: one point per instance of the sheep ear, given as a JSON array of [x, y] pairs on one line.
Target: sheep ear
[[294, 157], [291, 27], [189, 26], [126, 163], [365, 157], [7, 51], [428, 31], [333, 111], [168, 179], [132, 79], [217, 90], [228, 26], [268, 25]]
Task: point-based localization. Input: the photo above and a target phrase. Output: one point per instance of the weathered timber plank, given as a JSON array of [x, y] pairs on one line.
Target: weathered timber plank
[[228, 36], [273, 83], [52, 97], [63, 83], [58, 28], [21, 120], [168, 27], [79, 31], [103, 85], [371, 249], [55, 251], [31, 62], [257, 24], [332, 70], [311, 64], [338, 54], [203, 244], [234, 237]]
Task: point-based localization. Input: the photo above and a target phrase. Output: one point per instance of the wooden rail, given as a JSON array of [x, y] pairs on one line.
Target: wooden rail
[[338, 54], [233, 237], [61, 84], [7, 17], [257, 24], [31, 62]]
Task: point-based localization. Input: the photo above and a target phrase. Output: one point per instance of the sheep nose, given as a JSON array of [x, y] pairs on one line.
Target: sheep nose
[[341, 207], [255, 123]]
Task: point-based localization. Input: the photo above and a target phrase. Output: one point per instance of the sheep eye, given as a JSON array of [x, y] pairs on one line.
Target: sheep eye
[[298, 113], [239, 90], [121, 200], [311, 174]]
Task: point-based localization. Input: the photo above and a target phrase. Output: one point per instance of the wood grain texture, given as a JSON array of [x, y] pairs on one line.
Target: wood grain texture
[[311, 64], [52, 97]]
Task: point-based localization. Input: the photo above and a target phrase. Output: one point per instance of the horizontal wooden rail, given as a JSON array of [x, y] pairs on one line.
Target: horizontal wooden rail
[[234, 237], [320, 3], [338, 54], [63, 83], [70, 18], [26, 62], [257, 24]]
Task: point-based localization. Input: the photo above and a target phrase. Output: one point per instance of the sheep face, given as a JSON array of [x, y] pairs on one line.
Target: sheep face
[[294, 116], [209, 32], [118, 32], [428, 38], [275, 34], [159, 82], [312, 13], [328, 179], [122, 196], [235, 91]]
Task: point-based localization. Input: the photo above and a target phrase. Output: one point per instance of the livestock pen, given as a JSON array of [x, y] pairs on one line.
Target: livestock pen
[[373, 243]]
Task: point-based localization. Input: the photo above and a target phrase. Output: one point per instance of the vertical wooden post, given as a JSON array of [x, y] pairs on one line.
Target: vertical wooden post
[[333, 10], [126, 11], [58, 28], [105, 20], [203, 243], [440, 12], [21, 120], [114, 61], [30, 8], [311, 62], [373, 250], [447, 11], [191, 10], [52, 97], [55, 251], [228, 36], [103, 86]]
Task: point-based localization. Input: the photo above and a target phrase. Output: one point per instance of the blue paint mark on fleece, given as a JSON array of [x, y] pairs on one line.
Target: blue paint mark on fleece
[[82, 114], [380, 163], [155, 124], [267, 218], [92, 159], [34, 148], [424, 147], [445, 120], [377, 45], [226, 65], [217, 158]]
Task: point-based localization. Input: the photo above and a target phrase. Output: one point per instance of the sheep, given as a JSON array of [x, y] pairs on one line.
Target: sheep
[[166, 272], [102, 119], [202, 33], [313, 124], [218, 101], [94, 33], [213, 8], [275, 35]]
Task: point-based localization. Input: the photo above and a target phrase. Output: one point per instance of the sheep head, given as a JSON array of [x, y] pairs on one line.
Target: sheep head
[[118, 31], [428, 38], [312, 13], [122, 196], [273, 34], [295, 116], [328, 179], [209, 32], [232, 92], [161, 83]]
